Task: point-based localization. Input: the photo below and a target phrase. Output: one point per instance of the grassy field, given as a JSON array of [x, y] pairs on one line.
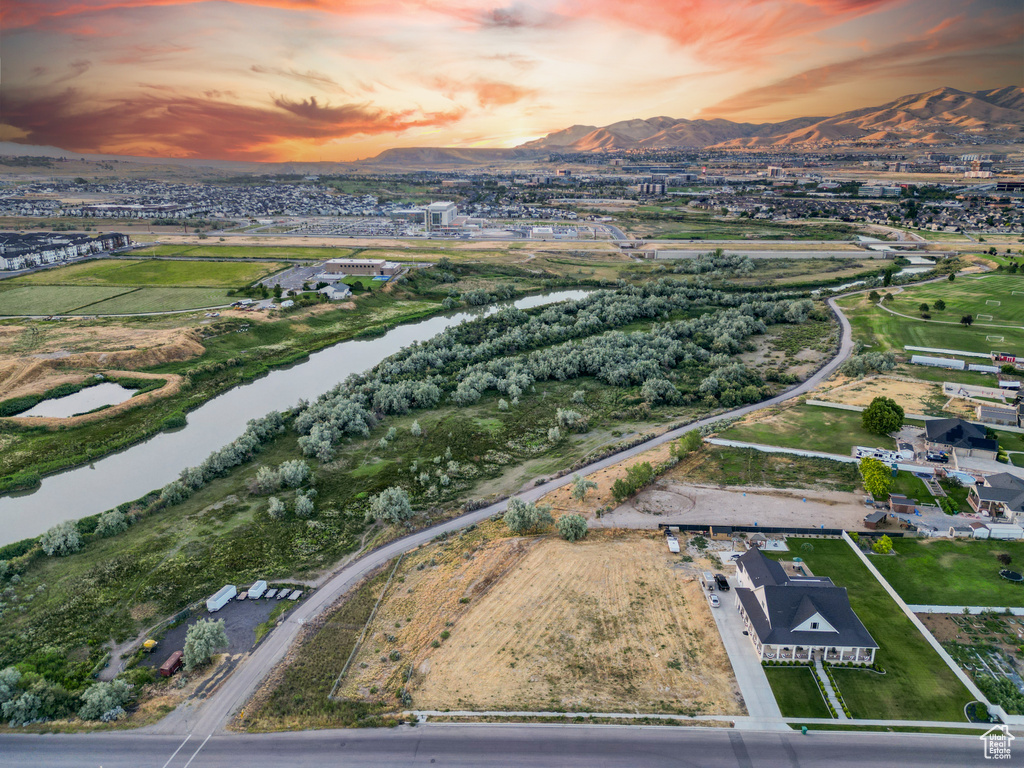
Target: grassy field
[[159, 300], [883, 331], [153, 273], [960, 572], [912, 487], [746, 466], [796, 693], [989, 298], [810, 427], [917, 684], [246, 252], [51, 299]]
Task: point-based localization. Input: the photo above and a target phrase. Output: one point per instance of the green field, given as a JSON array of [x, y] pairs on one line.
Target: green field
[[917, 684], [181, 274], [959, 572], [246, 252], [968, 295], [796, 692], [159, 300], [812, 428], [885, 331], [50, 299]]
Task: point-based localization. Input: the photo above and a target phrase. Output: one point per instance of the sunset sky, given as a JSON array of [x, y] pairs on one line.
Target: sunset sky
[[344, 79]]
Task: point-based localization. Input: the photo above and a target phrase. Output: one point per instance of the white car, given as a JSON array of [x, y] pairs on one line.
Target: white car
[[715, 602]]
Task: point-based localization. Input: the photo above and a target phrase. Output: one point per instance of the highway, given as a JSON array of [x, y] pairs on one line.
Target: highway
[[482, 746], [211, 715]]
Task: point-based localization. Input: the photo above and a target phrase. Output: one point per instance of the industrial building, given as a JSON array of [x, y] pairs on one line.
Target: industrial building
[[370, 267]]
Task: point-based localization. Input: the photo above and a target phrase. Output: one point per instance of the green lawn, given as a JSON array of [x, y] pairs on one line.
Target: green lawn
[[182, 274], [246, 252], [913, 488], [811, 427], [884, 331], [50, 299], [957, 493], [917, 684], [796, 692], [959, 572], [159, 300], [968, 296]]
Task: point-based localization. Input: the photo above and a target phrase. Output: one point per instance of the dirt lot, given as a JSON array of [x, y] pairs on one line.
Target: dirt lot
[[613, 623], [670, 501], [914, 396]]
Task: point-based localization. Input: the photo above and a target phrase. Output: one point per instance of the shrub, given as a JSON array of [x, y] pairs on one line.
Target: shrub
[[526, 516], [572, 527], [202, 640], [111, 523], [392, 505], [276, 508], [101, 698], [883, 546], [63, 539]]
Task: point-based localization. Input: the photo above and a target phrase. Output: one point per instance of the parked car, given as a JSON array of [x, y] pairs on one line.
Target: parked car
[[941, 458], [722, 582], [715, 602]]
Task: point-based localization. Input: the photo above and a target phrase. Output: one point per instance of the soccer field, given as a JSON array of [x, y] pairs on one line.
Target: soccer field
[[135, 273], [989, 295]]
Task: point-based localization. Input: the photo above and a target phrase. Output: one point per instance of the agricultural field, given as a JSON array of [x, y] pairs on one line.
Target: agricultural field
[[957, 572], [51, 299], [809, 427], [483, 620], [676, 224], [152, 273], [883, 331], [159, 300], [246, 252], [917, 684]]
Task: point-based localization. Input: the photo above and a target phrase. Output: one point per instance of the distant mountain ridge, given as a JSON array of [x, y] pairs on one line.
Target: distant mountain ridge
[[929, 117]]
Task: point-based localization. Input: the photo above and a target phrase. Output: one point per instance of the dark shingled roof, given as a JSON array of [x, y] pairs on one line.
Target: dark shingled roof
[[791, 601], [958, 433], [1005, 488]]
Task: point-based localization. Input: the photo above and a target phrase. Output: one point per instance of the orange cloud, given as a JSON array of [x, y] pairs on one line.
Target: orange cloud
[[183, 126], [488, 93]]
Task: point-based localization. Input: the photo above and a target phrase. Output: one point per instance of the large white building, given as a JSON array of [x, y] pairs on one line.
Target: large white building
[[441, 214]]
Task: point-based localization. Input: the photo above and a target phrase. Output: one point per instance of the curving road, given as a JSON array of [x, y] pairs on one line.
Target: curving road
[[211, 715]]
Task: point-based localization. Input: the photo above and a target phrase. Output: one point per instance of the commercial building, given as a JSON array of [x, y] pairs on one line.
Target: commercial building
[[441, 214], [371, 267], [798, 618]]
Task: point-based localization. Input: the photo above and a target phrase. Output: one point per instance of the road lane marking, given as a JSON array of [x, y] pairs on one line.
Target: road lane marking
[[176, 751], [197, 752]]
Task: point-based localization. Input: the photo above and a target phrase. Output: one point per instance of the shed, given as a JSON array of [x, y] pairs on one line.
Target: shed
[[960, 531], [979, 530], [721, 531], [901, 504], [871, 521], [1005, 531]]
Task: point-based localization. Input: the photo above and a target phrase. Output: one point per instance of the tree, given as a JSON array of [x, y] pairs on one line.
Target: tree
[[882, 416], [9, 679], [967, 320], [877, 477], [294, 473], [304, 505], [1004, 558], [276, 508], [686, 444], [391, 505], [63, 539], [572, 527], [580, 486], [111, 523], [175, 492], [526, 516], [939, 305], [267, 480], [874, 296], [952, 277], [103, 698], [923, 307], [883, 546], [203, 639]]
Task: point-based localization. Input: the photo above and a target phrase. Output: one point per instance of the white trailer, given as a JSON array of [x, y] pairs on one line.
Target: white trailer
[[673, 544], [295, 595], [222, 598], [1004, 531], [256, 590]]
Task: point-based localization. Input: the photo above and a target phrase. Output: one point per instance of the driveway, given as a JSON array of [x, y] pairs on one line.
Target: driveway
[[757, 693]]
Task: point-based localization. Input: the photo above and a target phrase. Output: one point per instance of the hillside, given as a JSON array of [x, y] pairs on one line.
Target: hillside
[[932, 117]]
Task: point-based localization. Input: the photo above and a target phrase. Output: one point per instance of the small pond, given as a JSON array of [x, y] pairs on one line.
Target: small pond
[[83, 401]]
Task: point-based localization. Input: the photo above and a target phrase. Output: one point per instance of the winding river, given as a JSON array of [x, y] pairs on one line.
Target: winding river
[[139, 469]]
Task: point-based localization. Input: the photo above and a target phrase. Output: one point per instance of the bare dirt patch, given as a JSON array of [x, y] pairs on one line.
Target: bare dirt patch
[[914, 396]]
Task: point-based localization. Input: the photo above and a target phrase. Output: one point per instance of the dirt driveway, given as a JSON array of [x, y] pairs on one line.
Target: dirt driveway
[[673, 502]]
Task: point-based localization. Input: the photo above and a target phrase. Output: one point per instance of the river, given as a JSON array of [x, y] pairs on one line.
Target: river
[[135, 471]]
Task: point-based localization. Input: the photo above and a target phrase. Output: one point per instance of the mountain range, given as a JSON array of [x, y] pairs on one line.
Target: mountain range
[[939, 116]]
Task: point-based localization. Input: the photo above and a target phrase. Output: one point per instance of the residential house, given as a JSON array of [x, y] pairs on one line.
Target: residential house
[[960, 437], [798, 618], [1001, 497]]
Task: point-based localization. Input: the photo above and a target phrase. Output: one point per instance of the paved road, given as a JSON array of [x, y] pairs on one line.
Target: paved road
[[482, 746], [210, 716]]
